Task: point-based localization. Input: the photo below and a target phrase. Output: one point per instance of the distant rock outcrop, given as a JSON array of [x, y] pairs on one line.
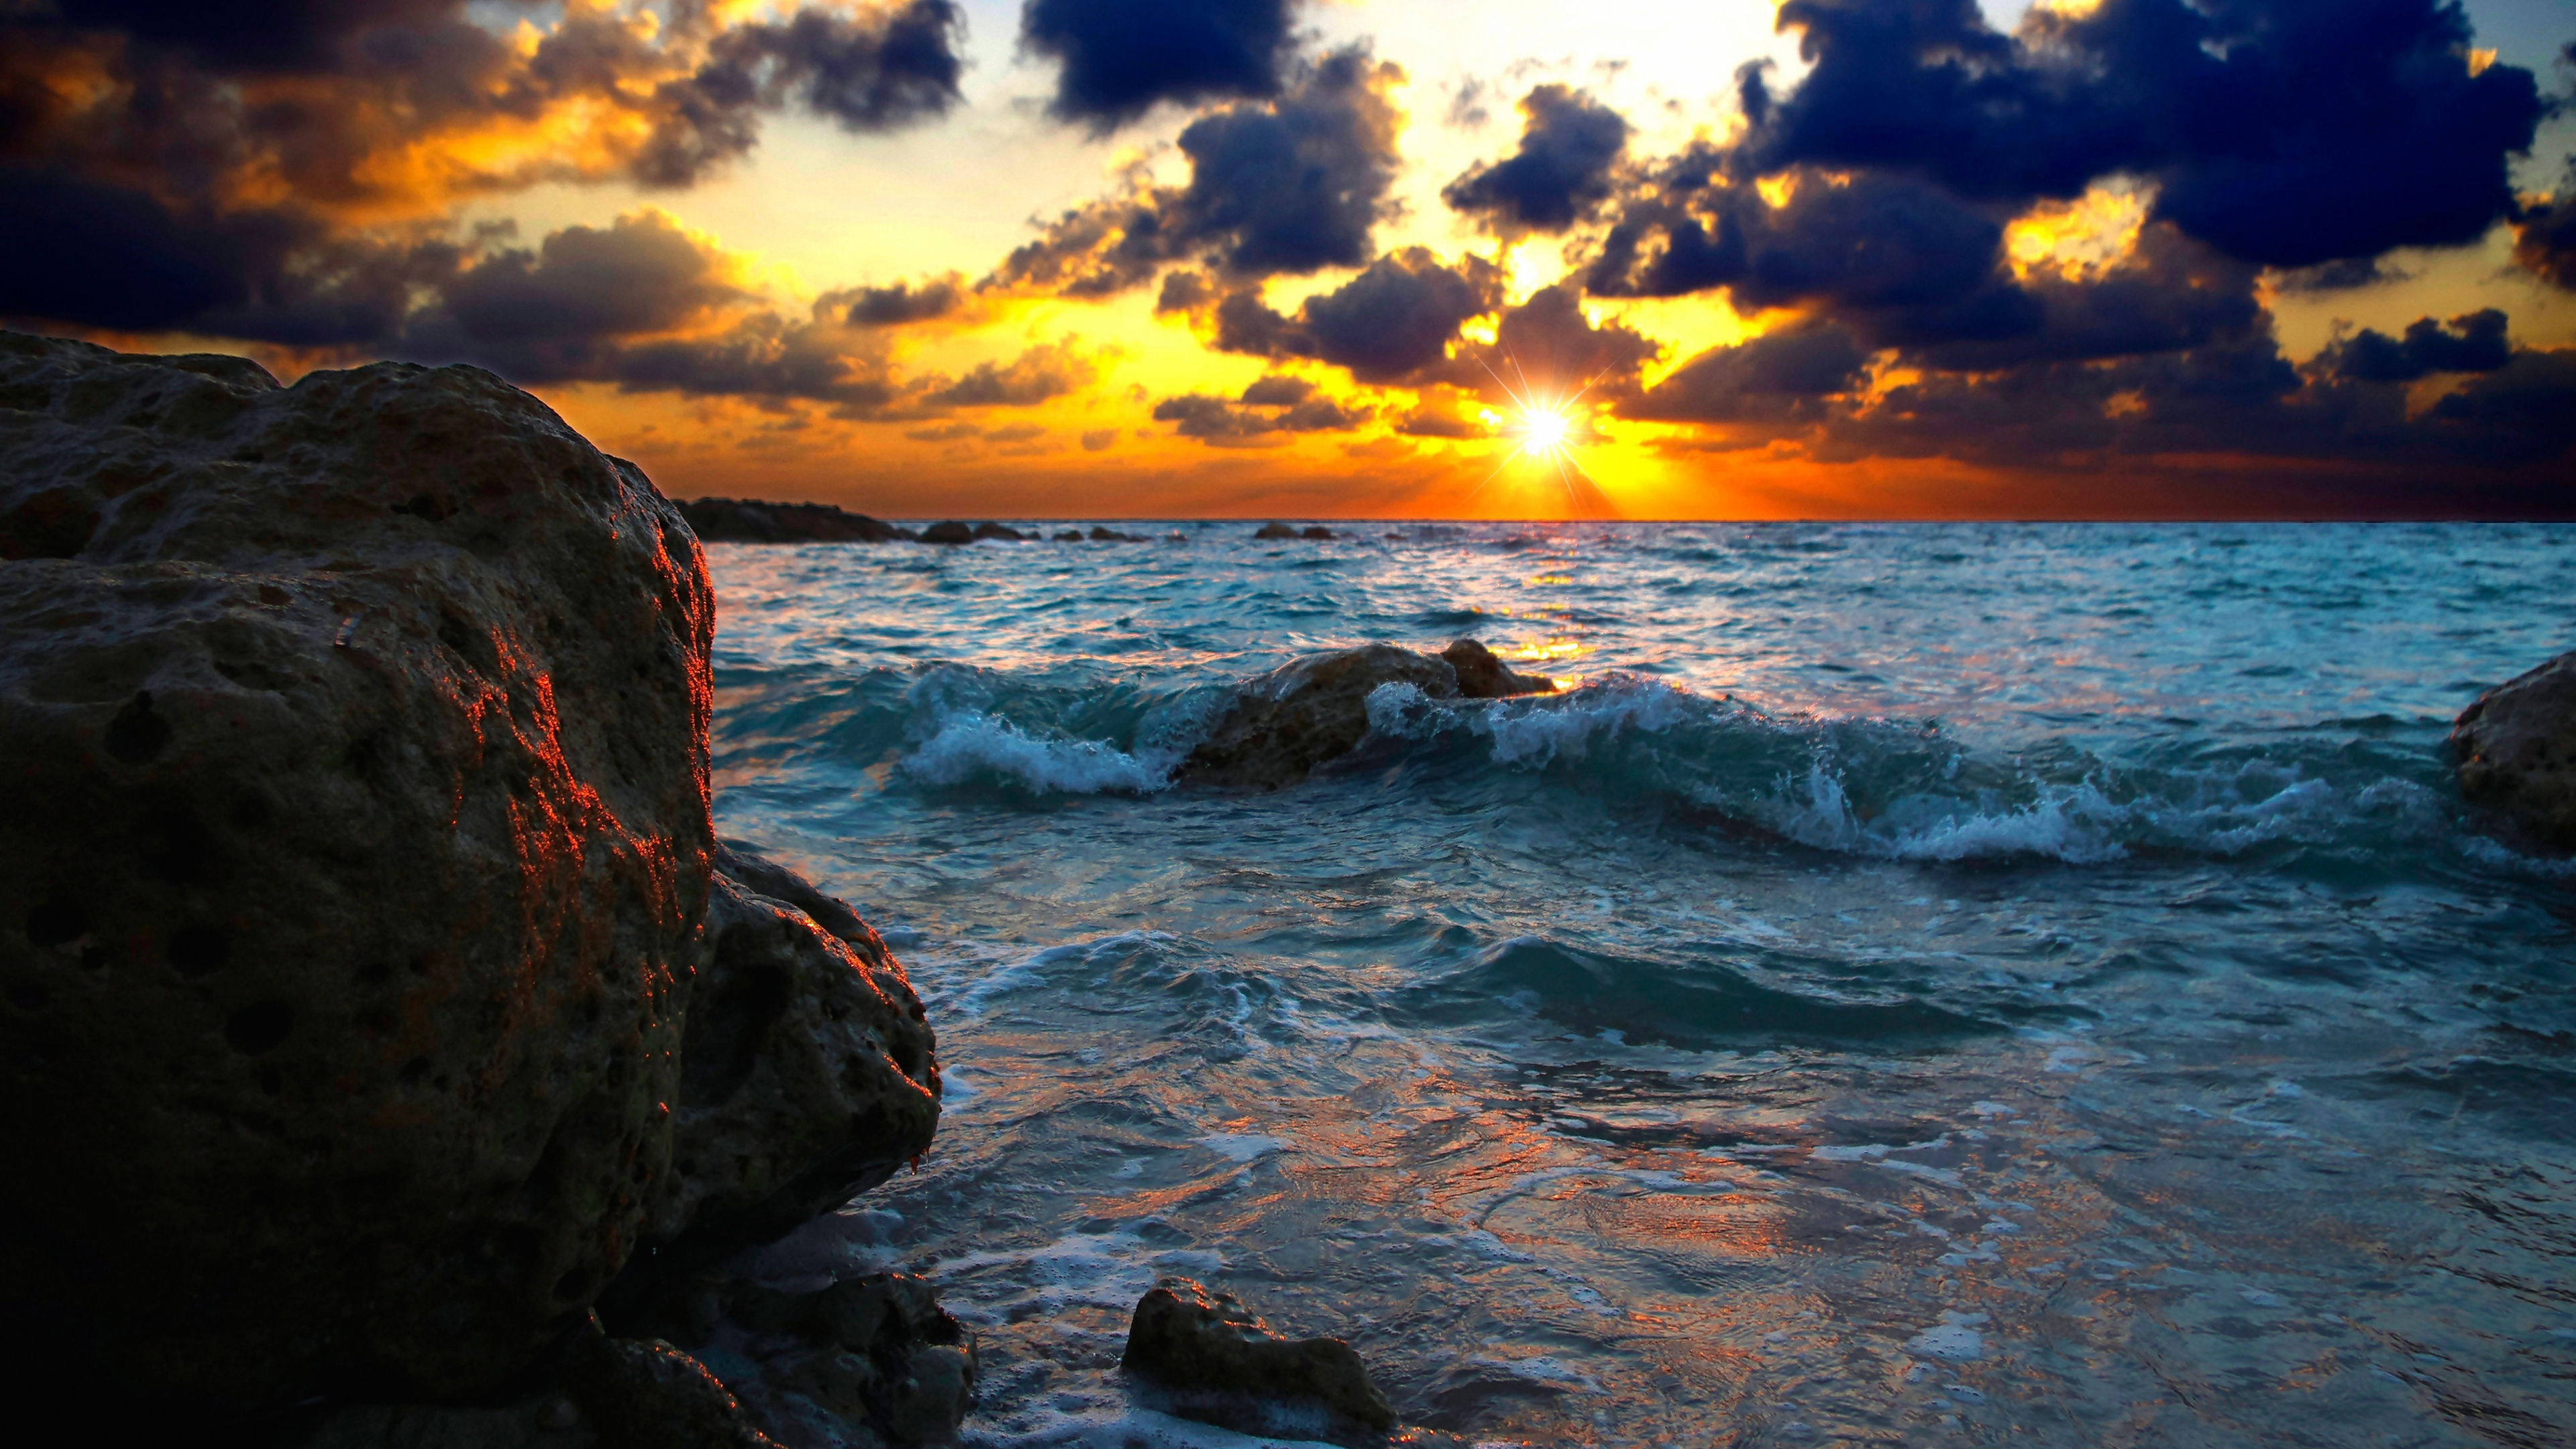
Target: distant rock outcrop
[[355, 878], [730, 520], [1216, 1355], [1274, 530], [2516, 748]]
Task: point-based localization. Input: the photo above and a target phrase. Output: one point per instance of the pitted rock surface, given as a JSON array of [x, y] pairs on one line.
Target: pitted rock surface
[[353, 853], [2516, 748], [808, 1071]]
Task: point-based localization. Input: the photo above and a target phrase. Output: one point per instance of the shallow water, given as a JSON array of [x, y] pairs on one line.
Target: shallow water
[[1919, 985]]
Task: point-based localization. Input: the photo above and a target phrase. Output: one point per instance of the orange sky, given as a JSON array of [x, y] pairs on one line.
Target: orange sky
[[694, 294]]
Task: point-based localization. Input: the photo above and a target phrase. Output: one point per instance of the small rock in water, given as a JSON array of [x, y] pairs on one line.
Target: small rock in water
[[950, 532], [1072, 535], [1482, 676], [1111, 535], [2517, 751], [1216, 1353], [999, 530], [1275, 530], [1307, 711], [1317, 531]]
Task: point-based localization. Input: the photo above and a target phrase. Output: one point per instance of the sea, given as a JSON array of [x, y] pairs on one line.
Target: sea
[[1914, 984]]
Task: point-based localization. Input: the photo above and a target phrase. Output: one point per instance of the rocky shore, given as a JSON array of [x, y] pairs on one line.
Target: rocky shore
[[391, 1054]]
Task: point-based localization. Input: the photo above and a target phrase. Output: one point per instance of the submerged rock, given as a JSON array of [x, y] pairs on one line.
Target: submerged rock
[[2516, 748], [1216, 1353], [1482, 676], [352, 864], [1305, 712], [729, 520], [1274, 530]]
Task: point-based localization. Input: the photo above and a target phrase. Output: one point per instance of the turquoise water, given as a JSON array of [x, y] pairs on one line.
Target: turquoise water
[[1917, 985]]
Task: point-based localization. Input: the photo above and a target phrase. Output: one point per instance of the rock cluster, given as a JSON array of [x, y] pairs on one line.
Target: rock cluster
[[1315, 708], [375, 988], [2516, 747], [728, 520], [1226, 1365]]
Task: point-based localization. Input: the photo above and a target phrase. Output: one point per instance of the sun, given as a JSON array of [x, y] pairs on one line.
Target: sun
[[1544, 430]]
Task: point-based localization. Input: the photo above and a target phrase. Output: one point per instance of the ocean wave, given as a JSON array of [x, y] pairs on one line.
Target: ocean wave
[[972, 745], [1869, 787]]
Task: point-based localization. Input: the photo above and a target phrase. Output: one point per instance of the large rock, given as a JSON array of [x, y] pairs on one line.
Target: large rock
[[1216, 1352], [1305, 712], [807, 1073], [2516, 748], [353, 854]]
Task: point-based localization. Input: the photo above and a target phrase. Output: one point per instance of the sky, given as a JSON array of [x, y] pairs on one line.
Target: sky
[[1367, 258]]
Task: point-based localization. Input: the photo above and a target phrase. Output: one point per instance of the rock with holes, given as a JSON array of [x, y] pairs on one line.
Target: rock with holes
[[2516, 747], [354, 848], [807, 1074]]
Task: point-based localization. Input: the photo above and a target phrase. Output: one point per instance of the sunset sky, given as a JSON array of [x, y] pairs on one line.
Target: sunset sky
[[1152, 258]]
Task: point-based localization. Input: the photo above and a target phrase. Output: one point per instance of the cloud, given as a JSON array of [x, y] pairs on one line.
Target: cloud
[[1271, 406], [1283, 187], [1562, 170], [2544, 236], [1779, 377], [2284, 132], [1048, 370], [903, 303], [1392, 322], [266, 171], [1119, 59], [1548, 345], [642, 273], [2474, 343], [891, 69]]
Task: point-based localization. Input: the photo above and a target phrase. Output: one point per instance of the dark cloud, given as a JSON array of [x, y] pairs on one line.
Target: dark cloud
[[1118, 59], [2284, 132], [2473, 343], [2350, 274], [889, 70], [905, 303], [1903, 260], [2168, 294], [1778, 377], [2544, 236], [1258, 419], [252, 35], [1297, 185], [1284, 187], [1392, 322], [1562, 170], [1278, 390], [640, 274]]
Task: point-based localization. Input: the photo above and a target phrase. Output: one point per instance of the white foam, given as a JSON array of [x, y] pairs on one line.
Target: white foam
[[1243, 1146], [971, 742]]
